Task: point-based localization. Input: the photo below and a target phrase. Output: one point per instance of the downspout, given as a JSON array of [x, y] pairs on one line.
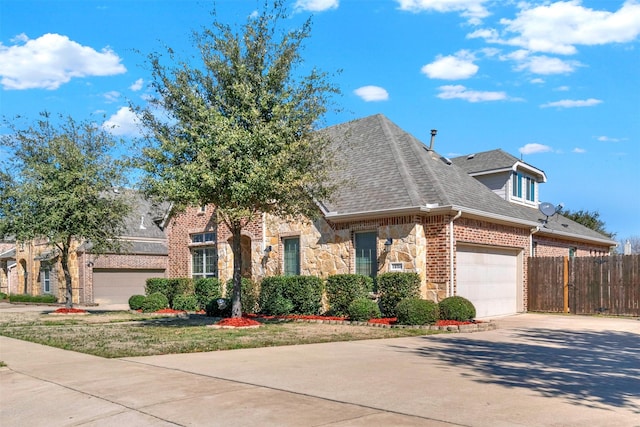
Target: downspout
[[451, 253], [533, 231]]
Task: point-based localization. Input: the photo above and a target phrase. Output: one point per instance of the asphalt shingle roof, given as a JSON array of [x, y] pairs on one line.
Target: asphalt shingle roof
[[382, 167]]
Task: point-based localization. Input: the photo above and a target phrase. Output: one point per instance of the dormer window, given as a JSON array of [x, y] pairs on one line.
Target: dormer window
[[523, 188]]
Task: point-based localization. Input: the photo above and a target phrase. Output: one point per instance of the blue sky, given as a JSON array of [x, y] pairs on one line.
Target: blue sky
[[554, 82]]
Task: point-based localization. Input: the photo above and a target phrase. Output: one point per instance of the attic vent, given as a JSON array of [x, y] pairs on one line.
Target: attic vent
[[470, 156], [396, 266], [447, 160], [142, 226]]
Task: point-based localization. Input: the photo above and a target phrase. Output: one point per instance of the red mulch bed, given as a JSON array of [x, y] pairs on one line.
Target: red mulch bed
[[238, 322]]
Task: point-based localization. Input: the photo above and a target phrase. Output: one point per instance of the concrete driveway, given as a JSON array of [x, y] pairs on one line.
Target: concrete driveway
[[535, 370]]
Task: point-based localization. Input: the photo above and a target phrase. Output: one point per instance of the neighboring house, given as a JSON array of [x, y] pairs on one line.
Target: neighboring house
[[466, 226], [8, 275], [34, 267]]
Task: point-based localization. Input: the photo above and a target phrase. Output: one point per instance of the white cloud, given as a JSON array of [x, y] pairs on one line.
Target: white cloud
[[137, 85], [372, 93], [579, 150], [562, 88], [537, 81], [573, 103], [473, 10], [461, 92], [123, 123], [609, 139], [452, 67], [534, 148], [112, 96], [560, 26], [52, 60], [316, 5], [546, 65]]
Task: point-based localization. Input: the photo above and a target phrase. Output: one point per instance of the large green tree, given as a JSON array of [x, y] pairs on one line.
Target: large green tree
[[237, 129], [588, 219], [58, 185]]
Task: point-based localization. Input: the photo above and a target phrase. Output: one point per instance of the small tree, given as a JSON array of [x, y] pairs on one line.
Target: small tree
[[240, 129], [58, 185], [588, 219]]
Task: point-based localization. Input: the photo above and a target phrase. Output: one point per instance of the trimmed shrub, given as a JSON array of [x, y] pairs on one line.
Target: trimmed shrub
[[180, 286], [186, 303], [218, 307], [278, 306], [295, 294], [136, 301], [154, 302], [393, 288], [248, 295], [271, 298], [343, 289], [207, 289], [457, 308], [3, 296], [305, 293], [416, 311], [157, 284], [170, 287], [44, 299], [363, 309]]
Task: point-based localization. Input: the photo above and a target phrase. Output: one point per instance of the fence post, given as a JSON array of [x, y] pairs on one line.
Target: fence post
[[565, 283]]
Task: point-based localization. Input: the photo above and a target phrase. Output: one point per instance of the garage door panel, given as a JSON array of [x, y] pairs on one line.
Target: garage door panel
[[116, 286], [488, 277]]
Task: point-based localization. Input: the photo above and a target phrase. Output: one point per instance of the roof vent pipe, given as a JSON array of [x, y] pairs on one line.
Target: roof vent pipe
[[434, 132]]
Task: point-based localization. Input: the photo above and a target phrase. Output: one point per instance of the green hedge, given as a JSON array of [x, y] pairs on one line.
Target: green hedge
[[280, 295], [136, 301], [343, 289], [416, 311], [248, 295], [186, 303], [45, 299], [457, 308], [3, 296], [170, 288], [207, 289], [154, 302], [363, 309], [393, 288]]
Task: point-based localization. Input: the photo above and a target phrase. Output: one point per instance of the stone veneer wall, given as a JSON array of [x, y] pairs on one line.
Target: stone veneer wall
[[328, 249], [25, 256]]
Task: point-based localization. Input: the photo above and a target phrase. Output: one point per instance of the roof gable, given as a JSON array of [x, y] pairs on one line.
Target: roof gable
[[493, 161]]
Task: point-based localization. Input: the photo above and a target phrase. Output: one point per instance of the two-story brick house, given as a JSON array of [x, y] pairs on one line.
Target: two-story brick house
[[466, 226]]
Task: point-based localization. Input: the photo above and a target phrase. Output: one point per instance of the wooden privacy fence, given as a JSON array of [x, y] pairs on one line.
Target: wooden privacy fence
[[585, 285]]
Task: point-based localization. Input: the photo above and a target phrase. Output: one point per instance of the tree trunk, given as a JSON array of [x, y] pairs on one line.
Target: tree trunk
[[64, 260], [236, 248]]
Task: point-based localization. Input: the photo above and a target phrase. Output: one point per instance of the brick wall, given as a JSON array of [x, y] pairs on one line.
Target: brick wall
[[553, 247], [195, 220]]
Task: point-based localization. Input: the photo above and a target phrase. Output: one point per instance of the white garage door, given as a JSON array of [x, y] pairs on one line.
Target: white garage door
[[116, 286], [489, 278]]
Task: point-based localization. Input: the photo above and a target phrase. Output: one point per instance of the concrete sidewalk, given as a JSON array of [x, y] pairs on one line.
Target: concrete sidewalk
[[535, 370]]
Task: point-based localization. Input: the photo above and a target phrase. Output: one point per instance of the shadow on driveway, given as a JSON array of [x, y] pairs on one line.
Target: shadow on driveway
[[587, 368]]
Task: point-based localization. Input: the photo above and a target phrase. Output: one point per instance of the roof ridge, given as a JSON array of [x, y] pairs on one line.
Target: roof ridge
[[409, 182]]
